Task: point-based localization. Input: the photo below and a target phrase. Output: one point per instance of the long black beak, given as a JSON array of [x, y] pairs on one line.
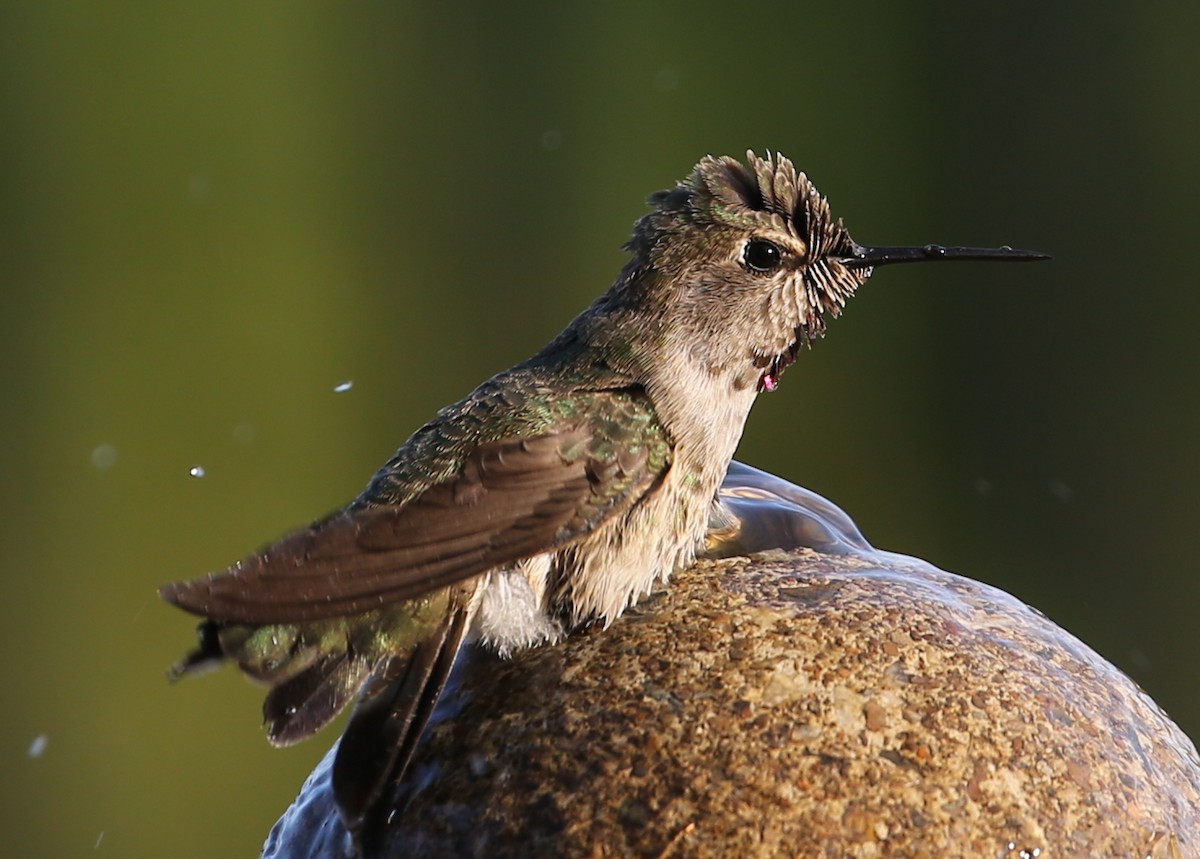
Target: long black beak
[[868, 257]]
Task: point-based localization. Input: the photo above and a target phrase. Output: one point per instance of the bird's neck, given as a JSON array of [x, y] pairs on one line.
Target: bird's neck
[[705, 414], [703, 407]]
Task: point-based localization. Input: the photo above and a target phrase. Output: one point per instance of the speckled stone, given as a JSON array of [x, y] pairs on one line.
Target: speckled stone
[[793, 704]]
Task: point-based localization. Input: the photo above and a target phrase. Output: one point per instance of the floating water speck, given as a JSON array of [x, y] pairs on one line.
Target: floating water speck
[[666, 80], [99, 838], [199, 186], [38, 746], [243, 433], [104, 456], [1061, 491], [342, 387], [196, 471]]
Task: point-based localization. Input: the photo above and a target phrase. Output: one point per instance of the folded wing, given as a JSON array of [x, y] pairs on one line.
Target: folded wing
[[511, 499]]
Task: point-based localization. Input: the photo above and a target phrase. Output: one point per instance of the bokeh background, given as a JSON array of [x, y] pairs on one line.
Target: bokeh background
[[211, 215]]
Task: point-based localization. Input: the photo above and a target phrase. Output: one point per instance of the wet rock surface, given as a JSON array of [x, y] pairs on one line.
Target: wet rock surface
[[792, 704]]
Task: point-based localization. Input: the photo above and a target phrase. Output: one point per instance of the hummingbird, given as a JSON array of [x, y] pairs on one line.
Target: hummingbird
[[554, 495]]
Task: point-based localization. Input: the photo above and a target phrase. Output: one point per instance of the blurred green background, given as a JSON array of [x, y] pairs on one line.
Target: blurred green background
[[213, 214]]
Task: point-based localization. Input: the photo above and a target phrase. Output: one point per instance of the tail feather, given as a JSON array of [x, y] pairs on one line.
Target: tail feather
[[395, 660], [297, 708], [311, 672], [387, 725], [208, 654]]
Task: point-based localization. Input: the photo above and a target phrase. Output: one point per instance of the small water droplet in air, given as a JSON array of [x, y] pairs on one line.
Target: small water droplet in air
[[1061, 491], [199, 186], [196, 471], [99, 838], [104, 456], [1139, 659], [38, 746], [243, 433], [666, 80], [342, 387], [552, 139], [983, 486]]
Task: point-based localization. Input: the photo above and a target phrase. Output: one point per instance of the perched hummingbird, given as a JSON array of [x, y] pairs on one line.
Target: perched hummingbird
[[555, 494]]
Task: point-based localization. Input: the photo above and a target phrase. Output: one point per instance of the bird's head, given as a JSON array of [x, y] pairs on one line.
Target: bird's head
[[738, 266]]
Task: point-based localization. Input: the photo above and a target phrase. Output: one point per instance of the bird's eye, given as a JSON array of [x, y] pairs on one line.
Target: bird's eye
[[762, 256]]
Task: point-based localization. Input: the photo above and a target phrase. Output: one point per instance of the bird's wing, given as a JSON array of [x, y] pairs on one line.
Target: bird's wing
[[511, 498]]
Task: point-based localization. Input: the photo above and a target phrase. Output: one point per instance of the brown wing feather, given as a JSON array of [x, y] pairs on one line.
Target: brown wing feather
[[511, 499]]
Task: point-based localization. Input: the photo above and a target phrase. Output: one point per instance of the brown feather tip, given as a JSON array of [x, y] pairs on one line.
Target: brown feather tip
[[191, 596]]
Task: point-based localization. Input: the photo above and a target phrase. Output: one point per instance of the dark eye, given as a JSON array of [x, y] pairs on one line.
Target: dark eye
[[762, 255]]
